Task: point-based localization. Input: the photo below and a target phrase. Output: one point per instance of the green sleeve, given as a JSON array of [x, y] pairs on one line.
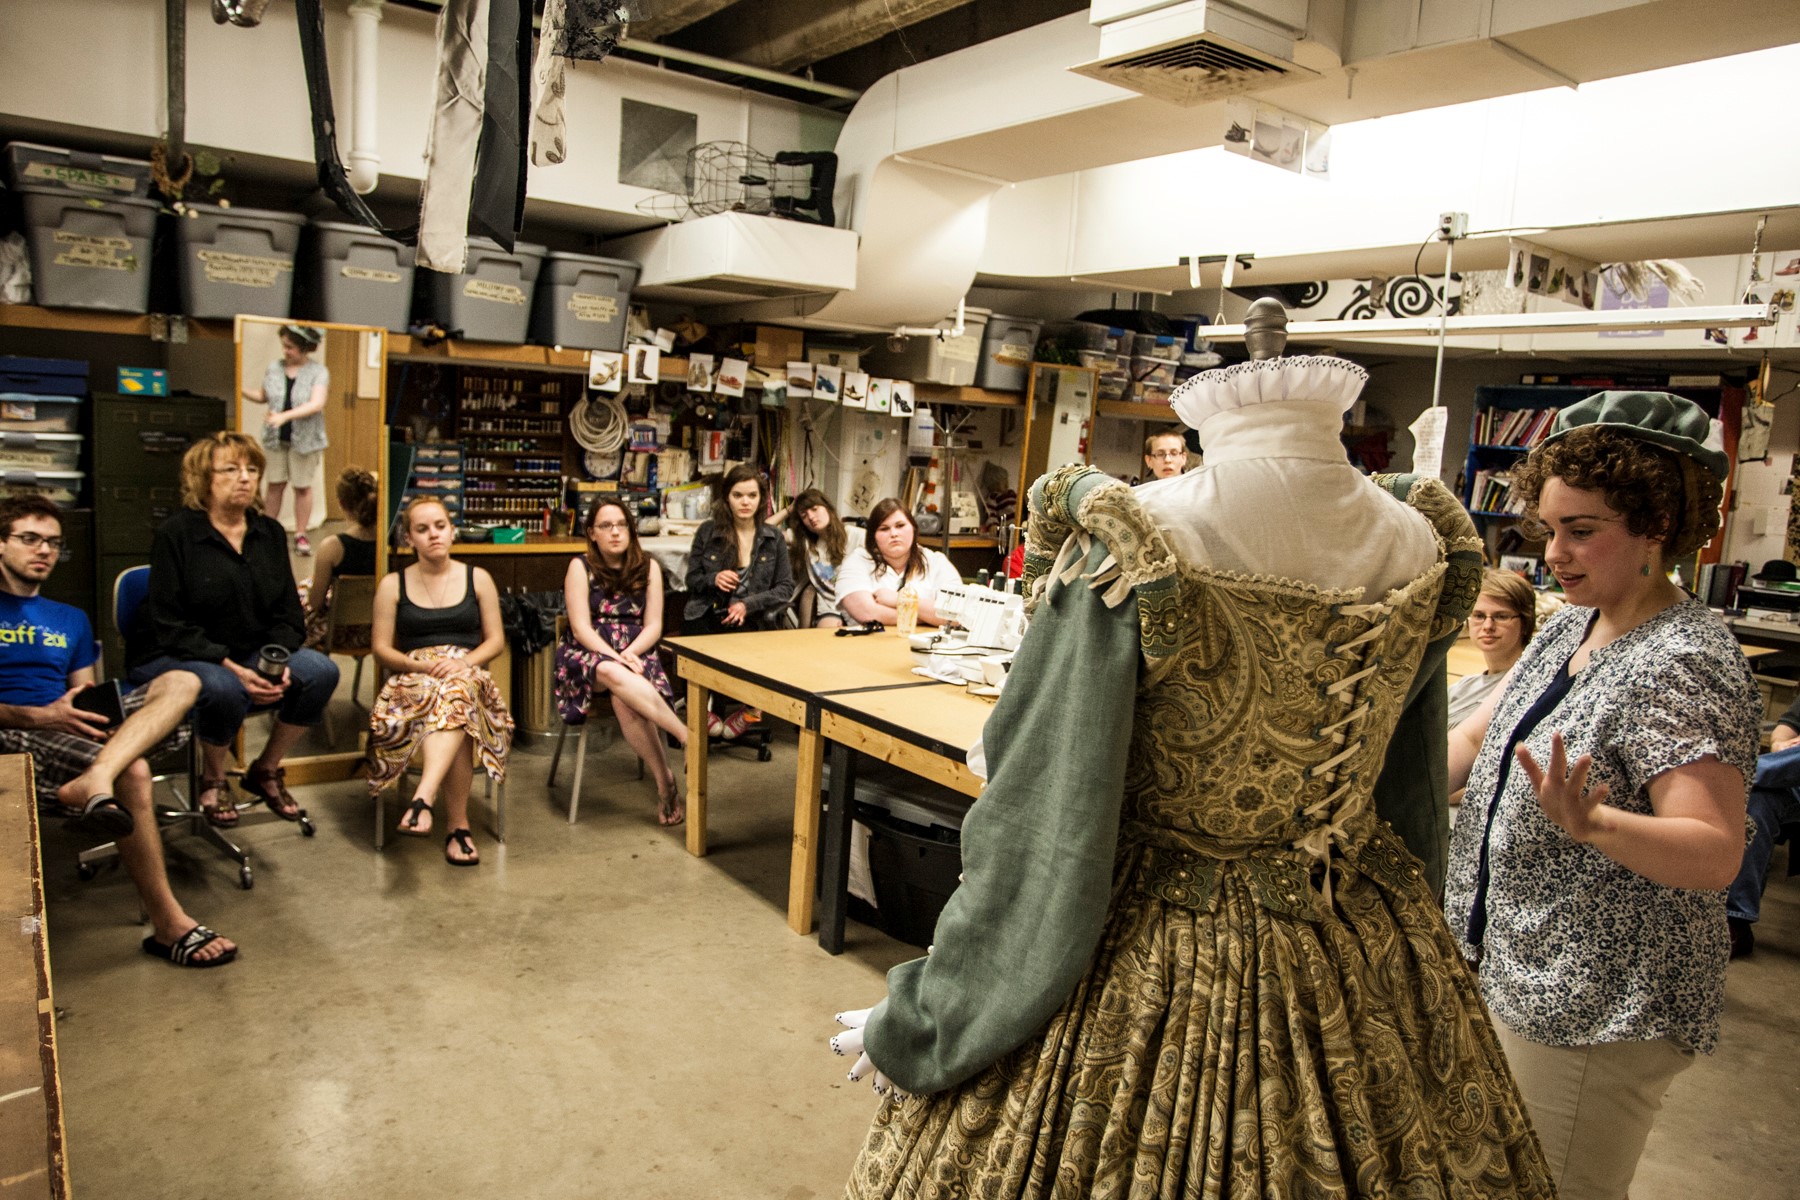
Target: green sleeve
[[1412, 793], [1037, 851]]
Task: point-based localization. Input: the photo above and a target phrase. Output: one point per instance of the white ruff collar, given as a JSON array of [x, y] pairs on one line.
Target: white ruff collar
[[1318, 378]]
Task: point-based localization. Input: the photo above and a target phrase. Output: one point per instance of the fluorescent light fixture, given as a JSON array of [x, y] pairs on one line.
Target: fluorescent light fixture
[[1719, 316]]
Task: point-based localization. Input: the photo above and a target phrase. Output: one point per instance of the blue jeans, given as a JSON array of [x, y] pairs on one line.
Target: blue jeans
[[1770, 809], [223, 703]]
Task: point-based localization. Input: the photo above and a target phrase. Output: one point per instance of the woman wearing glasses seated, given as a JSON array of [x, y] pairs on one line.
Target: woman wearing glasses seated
[[1503, 620], [221, 590], [1165, 456]]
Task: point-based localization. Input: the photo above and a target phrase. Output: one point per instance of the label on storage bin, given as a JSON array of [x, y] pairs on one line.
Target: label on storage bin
[[242, 270], [94, 250], [1014, 354], [500, 293], [371, 274], [964, 349], [590, 307], [18, 410], [78, 179]]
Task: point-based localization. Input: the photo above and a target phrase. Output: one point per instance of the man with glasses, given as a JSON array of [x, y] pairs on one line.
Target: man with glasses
[[47, 656], [1165, 455]]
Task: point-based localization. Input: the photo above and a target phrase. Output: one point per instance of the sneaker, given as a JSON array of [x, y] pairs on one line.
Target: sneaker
[[302, 547]]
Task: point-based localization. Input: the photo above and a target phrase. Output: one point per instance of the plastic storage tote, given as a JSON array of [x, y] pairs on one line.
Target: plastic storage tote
[[31, 165], [1007, 347], [491, 300], [581, 301], [87, 252], [39, 451], [23, 412], [44, 376], [358, 277], [950, 361], [237, 261], [61, 486]]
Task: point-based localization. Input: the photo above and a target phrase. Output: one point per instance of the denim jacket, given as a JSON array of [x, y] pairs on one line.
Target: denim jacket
[[768, 583]]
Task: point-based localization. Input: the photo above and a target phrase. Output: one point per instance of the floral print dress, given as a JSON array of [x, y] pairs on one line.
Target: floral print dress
[[619, 620]]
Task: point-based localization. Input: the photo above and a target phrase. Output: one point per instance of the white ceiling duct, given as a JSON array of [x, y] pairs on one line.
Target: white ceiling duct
[[1191, 51]]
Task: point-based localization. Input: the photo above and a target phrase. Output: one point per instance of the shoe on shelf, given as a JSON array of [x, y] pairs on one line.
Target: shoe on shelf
[[302, 547], [1793, 267]]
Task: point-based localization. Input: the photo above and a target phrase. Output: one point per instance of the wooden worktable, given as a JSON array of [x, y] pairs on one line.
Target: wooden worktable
[[856, 692]]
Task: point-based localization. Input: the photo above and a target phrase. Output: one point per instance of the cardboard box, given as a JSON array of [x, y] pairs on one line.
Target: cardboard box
[[774, 347], [143, 381]]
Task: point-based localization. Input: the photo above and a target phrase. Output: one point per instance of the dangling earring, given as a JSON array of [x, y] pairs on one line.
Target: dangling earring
[[1644, 570]]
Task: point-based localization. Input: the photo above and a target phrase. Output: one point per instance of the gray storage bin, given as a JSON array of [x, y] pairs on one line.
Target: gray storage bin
[[64, 487], [27, 412], [360, 277], [491, 300], [39, 451], [237, 261], [1007, 346], [582, 301], [950, 361], [87, 252], [31, 165]]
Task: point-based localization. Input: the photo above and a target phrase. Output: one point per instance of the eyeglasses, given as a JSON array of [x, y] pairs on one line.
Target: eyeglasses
[[238, 469], [1170, 454], [31, 541], [1495, 618], [611, 527]]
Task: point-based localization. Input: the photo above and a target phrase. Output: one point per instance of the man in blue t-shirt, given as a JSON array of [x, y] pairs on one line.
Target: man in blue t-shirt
[[47, 656]]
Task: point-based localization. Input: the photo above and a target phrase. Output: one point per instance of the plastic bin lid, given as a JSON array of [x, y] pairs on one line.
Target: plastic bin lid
[[599, 260], [34, 398], [528, 249], [254, 214], [14, 439], [136, 162], [26, 477], [348, 227], [86, 199]]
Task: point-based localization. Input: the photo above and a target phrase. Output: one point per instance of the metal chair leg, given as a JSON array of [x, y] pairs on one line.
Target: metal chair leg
[[580, 765], [556, 757], [380, 818], [497, 805]]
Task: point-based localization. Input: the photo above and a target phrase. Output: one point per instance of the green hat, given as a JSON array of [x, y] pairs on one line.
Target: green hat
[[306, 336], [1669, 421]]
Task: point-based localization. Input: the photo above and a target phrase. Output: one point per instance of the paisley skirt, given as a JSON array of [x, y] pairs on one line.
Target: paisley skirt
[[415, 705], [1236, 1054]]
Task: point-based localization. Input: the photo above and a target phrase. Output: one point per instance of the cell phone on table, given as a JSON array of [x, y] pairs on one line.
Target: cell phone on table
[[104, 700]]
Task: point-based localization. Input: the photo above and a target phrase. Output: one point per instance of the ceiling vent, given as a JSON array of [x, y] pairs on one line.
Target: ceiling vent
[[1192, 52]]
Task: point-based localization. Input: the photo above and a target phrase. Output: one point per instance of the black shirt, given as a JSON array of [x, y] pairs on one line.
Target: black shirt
[[287, 402], [459, 624], [209, 602], [359, 556]]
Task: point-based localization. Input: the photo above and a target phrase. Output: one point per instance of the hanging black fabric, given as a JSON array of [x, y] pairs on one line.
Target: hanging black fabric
[[590, 29], [332, 179], [497, 203]]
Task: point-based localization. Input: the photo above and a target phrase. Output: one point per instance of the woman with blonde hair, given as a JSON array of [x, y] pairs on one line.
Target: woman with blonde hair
[[1502, 621], [614, 598], [437, 626], [223, 605]]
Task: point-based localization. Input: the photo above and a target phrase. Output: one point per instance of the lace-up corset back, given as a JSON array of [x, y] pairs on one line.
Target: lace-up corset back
[[1265, 731]]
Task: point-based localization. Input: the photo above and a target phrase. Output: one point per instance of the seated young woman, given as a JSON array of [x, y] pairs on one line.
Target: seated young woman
[[614, 594], [819, 545], [437, 626], [350, 552], [890, 559]]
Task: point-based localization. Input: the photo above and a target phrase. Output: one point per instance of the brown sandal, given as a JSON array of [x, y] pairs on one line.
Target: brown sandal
[[267, 786], [221, 813]]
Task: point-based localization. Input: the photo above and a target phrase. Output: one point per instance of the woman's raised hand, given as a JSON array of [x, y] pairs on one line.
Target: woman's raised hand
[[1562, 791]]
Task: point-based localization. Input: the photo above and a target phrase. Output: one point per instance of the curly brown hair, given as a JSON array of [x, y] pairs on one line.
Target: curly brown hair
[[1659, 493]]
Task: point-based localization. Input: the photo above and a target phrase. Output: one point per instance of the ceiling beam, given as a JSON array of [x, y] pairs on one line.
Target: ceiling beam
[[666, 16], [785, 35]]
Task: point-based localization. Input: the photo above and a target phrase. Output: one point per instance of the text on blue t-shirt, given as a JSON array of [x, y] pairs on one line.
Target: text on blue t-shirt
[[41, 642]]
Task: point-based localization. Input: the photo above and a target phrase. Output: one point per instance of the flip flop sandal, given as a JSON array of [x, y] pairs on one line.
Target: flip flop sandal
[[268, 787], [410, 817], [466, 844], [181, 952], [103, 817]]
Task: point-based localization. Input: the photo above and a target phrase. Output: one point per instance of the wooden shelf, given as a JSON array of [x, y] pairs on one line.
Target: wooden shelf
[[937, 393], [1131, 411], [406, 348], [534, 543], [82, 320]]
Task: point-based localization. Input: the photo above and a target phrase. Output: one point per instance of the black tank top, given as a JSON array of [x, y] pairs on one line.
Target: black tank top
[[458, 625], [359, 556]]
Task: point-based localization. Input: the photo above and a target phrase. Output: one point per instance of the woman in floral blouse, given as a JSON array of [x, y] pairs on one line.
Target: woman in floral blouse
[[1604, 815]]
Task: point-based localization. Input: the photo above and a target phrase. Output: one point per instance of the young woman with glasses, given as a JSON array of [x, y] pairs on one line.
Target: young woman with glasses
[[1503, 620], [614, 595]]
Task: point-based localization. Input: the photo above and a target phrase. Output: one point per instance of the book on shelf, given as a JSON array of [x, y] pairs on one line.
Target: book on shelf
[[1492, 492], [1514, 426]]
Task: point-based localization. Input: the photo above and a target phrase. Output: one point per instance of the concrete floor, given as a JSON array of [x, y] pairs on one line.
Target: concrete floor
[[590, 1013]]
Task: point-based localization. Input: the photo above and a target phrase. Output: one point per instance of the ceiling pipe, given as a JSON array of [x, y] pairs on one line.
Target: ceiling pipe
[[365, 160], [741, 70]]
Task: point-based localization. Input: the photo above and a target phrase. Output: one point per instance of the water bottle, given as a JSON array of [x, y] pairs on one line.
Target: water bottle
[[907, 611]]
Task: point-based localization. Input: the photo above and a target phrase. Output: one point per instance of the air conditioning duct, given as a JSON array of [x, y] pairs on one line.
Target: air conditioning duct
[[1190, 51]]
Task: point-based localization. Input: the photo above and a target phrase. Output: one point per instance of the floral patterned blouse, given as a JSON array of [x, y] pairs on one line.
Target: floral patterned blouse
[[1579, 949]]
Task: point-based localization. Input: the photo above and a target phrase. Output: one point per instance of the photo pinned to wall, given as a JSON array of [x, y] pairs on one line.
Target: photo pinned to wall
[[828, 383], [881, 395], [903, 398], [732, 374], [1771, 279], [606, 370], [644, 364], [800, 379], [856, 389], [1266, 134], [701, 372]]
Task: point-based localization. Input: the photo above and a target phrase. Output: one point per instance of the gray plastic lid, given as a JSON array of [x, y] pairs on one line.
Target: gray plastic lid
[[524, 249], [60, 193], [254, 214], [599, 260]]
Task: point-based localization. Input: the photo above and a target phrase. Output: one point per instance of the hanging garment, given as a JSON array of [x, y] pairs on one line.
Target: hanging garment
[[444, 196], [497, 204], [336, 184], [548, 121]]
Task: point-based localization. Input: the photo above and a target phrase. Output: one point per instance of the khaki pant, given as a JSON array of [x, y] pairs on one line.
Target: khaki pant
[[1593, 1106]]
